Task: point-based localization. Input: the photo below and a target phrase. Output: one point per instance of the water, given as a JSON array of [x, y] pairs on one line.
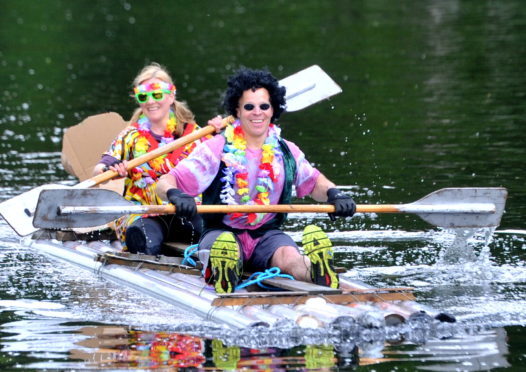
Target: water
[[433, 96]]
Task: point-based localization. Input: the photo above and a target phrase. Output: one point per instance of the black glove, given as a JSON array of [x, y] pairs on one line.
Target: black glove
[[112, 163], [343, 204], [184, 204]]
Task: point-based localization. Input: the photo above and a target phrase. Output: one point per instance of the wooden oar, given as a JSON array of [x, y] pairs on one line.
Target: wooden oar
[[304, 88], [450, 208]]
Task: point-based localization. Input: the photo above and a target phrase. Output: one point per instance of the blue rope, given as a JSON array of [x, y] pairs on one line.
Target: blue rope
[[257, 278], [188, 252]]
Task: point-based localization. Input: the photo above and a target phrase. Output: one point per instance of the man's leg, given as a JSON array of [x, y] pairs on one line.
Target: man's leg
[[277, 249], [291, 262], [318, 248], [221, 257]]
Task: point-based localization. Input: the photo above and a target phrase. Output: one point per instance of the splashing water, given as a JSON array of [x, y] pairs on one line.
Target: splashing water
[[466, 241]]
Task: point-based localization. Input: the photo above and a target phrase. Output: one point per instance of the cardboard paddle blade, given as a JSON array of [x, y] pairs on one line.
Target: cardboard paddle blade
[[307, 87], [83, 144]]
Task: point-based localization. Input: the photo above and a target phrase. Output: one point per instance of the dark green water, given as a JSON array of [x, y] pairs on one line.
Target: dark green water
[[433, 96]]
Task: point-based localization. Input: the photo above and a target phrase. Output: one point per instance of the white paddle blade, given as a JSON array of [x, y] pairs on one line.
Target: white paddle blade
[[19, 210], [463, 207], [307, 87]]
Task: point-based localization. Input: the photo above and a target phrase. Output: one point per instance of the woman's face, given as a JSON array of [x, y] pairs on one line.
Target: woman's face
[[154, 109], [254, 112]]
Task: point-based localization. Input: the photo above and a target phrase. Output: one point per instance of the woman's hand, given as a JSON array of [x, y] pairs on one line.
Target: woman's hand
[[121, 168], [218, 123]]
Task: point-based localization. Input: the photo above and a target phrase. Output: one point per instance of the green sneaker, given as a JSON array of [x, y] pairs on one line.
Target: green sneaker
[[319, 356], [318, 248], [225, 358], [225, 262]]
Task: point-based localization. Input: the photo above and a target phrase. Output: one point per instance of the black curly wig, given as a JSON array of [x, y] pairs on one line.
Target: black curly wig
[[245, 79]]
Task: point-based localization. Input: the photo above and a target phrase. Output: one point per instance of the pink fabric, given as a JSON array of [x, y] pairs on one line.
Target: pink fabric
[[248, 244]]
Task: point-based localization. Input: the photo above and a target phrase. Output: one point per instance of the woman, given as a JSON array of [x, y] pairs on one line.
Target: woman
[[159, 120]]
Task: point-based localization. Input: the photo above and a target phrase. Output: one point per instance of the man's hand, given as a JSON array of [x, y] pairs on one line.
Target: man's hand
[[343, 204], [184, 204]]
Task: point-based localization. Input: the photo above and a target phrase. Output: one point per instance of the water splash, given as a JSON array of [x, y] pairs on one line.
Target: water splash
[[463, 248]]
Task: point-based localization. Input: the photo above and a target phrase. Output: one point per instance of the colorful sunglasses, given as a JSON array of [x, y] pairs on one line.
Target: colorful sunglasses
[[250, 106], [156, 95]]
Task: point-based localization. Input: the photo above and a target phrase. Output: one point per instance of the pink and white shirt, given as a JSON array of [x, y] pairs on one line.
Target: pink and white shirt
[[195, 174]]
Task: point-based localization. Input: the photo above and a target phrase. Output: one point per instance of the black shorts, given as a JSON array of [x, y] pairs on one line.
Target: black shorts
[[263, 251]]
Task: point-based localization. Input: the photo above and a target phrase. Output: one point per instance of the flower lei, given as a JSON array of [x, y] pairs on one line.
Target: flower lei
[[148, 173], [143, 88], [235, 180]]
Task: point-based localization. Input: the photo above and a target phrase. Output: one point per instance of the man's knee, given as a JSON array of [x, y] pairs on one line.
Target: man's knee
[[285, 256]]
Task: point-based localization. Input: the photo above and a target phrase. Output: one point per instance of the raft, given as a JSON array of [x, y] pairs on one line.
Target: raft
[[172, 279]]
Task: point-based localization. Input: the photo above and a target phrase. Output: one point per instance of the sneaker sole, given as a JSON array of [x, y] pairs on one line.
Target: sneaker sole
[[318, 247], [224, 257]]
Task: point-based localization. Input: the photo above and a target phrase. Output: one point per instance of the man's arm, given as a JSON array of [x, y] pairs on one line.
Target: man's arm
[[319, 193], [167, 190], [165, 183], [325, 190]]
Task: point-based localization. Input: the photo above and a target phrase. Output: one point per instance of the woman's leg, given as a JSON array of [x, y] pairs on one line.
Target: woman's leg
[[145, 236]]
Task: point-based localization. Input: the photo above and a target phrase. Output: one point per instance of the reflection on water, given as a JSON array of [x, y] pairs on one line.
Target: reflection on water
[[55, 344]]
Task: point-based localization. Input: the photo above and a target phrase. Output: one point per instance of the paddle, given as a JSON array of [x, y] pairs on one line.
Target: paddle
[[450, 208], [304, 88]]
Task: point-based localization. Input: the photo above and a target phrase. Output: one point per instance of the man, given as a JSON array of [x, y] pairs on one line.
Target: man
[[251, 164]]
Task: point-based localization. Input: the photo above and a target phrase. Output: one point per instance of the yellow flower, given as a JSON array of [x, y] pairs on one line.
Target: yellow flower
[[170, 126], [142, 145], [263, 196], [242, 183], [242, 191], [157, 163]]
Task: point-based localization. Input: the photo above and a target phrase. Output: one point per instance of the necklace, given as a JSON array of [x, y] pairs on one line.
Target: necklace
[[148, 173], [236, 188]]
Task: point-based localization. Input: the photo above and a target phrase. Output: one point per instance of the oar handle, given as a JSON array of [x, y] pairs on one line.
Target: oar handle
[[180, 142], [278, 208]]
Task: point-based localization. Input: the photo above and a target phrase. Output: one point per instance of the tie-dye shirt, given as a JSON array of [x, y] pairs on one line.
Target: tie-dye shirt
[[195, 174]]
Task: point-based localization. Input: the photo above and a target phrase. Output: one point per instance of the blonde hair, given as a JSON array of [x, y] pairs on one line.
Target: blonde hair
[[182, 112]]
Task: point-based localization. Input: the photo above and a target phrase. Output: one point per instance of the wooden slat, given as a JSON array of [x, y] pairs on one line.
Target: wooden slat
[[175, 267], [301, 299], [176, 248], [296, 285]]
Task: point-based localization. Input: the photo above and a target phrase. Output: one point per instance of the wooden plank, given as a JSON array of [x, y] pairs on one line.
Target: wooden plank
[[261, 294], [176, 248], [344, 298], [167, 265], [297, 285]]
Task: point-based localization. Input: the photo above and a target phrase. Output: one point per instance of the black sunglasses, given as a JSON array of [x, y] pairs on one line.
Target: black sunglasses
[[250, 106]]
